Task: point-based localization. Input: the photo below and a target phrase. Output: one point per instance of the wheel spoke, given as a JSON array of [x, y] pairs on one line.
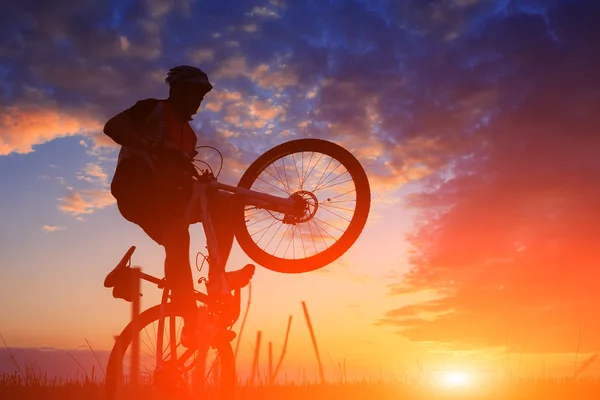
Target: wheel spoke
[[279, 178], [302, 239], [337, 201], [269, 216], [321, 234], [297, 172], [327, 185], [272, 237], [337, 207], [324, 172], [309, 172], [340, 195], [266, 230], [285, 174], [270, 184], [173, 378], [150, 339], [324, 178], [336, 214], [312, 237], [328, 224], [288, 246], [146, 344], [282, 237]]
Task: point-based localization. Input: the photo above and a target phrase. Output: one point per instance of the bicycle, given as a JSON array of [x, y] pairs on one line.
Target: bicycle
[[300, 215]]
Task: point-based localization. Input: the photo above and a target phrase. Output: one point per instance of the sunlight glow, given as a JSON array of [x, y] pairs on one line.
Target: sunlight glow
[[455, 379]]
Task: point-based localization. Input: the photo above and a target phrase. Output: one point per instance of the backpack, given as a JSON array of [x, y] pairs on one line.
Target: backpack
[[140, 174]]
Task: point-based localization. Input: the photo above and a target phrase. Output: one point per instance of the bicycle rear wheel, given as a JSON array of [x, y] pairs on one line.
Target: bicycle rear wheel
[[172, 380], [335, 190]]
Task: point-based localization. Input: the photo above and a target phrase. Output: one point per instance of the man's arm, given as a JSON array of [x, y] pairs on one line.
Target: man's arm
[[127, 127]]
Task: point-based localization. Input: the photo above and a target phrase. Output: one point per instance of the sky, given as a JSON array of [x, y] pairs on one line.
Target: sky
[[477, 122]]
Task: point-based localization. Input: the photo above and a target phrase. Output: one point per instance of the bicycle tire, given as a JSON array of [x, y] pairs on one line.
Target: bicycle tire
[[225, 354], [350, 235]]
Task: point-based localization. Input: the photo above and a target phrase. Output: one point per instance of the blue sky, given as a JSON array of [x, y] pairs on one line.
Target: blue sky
[[451, 105]]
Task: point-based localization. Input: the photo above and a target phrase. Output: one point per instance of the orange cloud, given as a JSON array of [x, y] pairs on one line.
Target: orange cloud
[[23, 127], [509, 241], [269, 78], [217, 99], [265, 110], [52, 228], [85, 201], [102, 141], [93, 173]]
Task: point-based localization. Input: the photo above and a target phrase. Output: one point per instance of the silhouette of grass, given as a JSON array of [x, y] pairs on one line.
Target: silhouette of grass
[[32, 383], [38, 386]]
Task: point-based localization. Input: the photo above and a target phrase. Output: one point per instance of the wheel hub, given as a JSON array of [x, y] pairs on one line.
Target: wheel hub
[[307, 206]]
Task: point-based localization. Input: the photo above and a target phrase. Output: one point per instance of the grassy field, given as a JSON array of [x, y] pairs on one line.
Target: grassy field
[[38, 386], [28, 381]]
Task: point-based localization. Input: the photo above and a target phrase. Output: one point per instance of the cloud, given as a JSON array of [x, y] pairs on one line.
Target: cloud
[[216, 100], [275, 79], [508, 232], [230, 68], [22, 127], [199, 56], [93, 173], [85, 201], [265, 109], [264, 12], [409, 87], [249, 28], [53, 228]]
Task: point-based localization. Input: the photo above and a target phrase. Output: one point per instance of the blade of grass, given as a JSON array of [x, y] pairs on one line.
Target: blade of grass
[[285, 341], [314, 342]]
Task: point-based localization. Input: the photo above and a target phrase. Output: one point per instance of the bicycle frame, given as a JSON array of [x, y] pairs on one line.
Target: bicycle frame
[[200, 200], [250, 197]]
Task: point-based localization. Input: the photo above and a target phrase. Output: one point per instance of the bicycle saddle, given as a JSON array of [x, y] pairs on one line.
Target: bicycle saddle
[[121, 278], [112, 277]]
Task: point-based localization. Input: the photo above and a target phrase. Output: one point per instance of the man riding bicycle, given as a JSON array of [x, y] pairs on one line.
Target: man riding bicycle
[[153, 187]]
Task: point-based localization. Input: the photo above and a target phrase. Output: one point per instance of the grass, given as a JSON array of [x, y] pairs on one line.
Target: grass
[[30, 382], [38, 386]]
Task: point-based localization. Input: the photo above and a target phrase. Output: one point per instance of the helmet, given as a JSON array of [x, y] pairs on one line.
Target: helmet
[[186, 74]]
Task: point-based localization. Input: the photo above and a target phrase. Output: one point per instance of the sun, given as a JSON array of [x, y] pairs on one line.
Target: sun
[[455, 379]]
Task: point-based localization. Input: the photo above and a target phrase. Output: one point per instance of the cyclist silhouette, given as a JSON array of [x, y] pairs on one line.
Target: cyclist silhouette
[[152, 192]]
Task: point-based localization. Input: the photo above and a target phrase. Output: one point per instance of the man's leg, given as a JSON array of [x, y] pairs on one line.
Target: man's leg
[[221, 216], [220, 213], [178, 271]]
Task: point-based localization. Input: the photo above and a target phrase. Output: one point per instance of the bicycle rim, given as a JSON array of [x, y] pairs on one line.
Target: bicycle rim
[[336, 192], [173, 378]]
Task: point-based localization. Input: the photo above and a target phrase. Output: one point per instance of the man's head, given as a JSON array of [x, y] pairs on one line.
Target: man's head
[[188, 85]]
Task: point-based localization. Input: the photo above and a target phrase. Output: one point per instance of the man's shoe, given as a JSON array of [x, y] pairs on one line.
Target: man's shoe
[[240, 278]]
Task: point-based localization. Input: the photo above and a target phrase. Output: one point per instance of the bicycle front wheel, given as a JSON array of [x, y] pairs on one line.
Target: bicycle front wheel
[[335, 190], [172, 379]]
